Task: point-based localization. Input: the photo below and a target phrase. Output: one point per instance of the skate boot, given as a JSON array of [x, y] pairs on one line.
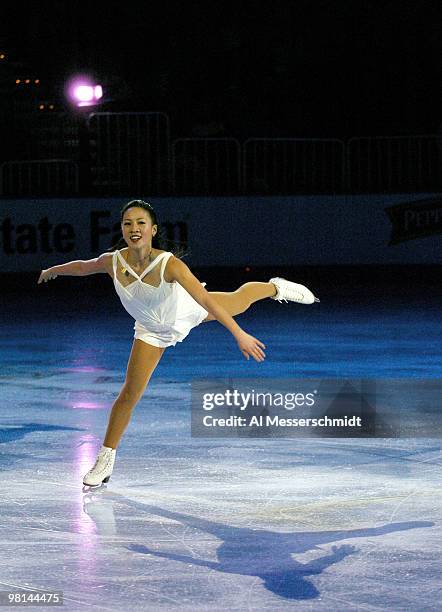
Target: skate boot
[[102, 470], [286, 291]]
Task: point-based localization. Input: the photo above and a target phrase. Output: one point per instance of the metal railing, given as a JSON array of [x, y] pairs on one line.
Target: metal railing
[[206, 166], [45, 177], [394, 164], [54, 137], [280, 166], [129, 152]]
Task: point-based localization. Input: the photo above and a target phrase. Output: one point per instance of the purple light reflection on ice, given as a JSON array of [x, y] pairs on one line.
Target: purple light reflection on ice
[[82, 524], [87, 405], [84, 369]]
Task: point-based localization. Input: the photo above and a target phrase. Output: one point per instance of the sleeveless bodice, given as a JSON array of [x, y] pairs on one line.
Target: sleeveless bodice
[[152, 306], [168, 311]]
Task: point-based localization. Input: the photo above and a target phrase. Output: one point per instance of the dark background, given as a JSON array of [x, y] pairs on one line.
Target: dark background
[[299, 69], [295, 69]]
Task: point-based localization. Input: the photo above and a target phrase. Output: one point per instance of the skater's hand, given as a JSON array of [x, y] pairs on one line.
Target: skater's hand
[[46, 275], [344, 550], [251, 347]]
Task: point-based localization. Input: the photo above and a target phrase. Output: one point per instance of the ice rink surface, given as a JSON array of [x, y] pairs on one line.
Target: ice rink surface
[[226, 524]]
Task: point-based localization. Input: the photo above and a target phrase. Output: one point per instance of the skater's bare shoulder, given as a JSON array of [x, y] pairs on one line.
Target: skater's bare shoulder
[[101, 264]]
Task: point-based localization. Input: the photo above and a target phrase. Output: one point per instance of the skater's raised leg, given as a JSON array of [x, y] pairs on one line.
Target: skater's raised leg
[[239, 301], [236, 302]]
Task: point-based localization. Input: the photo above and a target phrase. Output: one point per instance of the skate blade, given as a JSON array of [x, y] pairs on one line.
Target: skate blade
[[94, 488], [87, 487]]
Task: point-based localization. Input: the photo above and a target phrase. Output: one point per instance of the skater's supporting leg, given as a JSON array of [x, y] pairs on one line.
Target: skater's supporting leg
[[142, 362], [238, 301]]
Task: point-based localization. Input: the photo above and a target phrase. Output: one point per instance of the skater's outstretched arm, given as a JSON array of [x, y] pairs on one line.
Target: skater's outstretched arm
[[79, 267], [139, 548], [176, 270], [319, 565]]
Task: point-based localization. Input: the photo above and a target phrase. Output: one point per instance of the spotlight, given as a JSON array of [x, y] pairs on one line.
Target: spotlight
[[98, 92], [82, 91]]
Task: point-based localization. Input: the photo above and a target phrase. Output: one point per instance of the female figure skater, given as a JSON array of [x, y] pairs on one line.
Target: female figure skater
[[166, 301]]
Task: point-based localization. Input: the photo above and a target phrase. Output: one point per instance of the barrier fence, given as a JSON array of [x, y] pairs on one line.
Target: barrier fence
[[282, 166], [49, 177], [131, 153], [54, 137], [388, 164], [206, 166]]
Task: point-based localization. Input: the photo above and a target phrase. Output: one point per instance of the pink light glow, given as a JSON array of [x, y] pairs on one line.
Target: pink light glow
[[82, 91], [87, 405], [84, 369]]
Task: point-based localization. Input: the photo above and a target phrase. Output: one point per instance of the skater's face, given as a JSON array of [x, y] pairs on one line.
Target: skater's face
[[137, 227]]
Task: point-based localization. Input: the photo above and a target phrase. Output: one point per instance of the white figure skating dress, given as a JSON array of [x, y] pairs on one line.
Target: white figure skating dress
[[164, 312]]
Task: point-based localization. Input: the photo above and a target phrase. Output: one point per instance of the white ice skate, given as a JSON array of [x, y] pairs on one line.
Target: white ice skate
[[286, 291], [102, 469]]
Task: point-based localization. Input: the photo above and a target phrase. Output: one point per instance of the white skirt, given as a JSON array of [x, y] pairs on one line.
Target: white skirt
[[189, 315]]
